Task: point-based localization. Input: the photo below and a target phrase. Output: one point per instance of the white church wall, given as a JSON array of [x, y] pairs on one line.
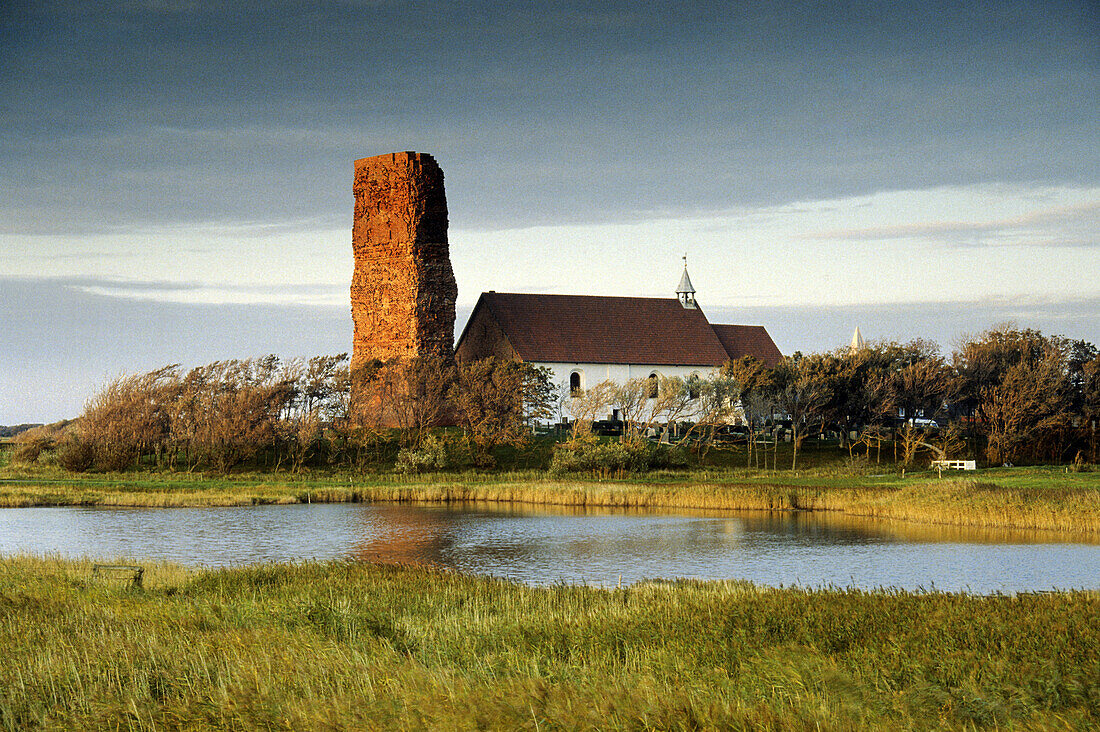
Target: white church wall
[[594, 373]]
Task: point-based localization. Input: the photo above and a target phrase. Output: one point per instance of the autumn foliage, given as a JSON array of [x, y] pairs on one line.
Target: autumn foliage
[[1005, 396]]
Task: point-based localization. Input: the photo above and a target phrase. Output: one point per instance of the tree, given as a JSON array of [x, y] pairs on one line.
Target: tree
[[409, 394], [713, 403], [1027, 409], [539, 393], [130, 418], [228, 410], [318, 396], [493, 399], [645, 403], [802, 394], [632, 399], [587, 405], [1022, 390], [1090, 399], [1080, 353], [906, 379], [982, 362], [863, 386], [919, 388], [755, 387]]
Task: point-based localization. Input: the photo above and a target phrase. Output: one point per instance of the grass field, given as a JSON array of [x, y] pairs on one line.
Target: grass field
[[337, 646], [360, 646], [1024, 498]]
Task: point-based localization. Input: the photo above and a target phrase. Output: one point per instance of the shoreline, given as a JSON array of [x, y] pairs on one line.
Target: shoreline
[[1032, 499]]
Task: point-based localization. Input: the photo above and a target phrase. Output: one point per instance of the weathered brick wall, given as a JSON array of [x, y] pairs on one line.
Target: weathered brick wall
[[403, 290]]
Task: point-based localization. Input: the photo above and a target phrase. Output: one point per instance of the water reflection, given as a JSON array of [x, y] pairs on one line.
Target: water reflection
[[565, 544]]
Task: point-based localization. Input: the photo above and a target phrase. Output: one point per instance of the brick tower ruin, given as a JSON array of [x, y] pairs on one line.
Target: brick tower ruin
[[403, 290]]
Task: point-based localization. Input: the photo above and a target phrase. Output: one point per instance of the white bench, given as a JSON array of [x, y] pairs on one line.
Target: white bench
[[955, 464]]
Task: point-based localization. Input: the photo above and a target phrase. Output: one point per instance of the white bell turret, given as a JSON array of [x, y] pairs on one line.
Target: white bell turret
[[685, 292]]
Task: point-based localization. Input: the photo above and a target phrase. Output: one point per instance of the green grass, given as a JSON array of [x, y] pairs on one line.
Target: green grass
[[1018, 498], [337, 646]]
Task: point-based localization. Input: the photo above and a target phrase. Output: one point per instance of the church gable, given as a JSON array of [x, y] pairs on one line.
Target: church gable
[[483, 337]]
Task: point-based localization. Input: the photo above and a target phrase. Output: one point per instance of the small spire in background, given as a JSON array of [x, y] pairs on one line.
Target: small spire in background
[[857, 342]]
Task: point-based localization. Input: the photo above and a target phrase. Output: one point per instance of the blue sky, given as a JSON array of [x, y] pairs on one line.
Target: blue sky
[[175, 175]]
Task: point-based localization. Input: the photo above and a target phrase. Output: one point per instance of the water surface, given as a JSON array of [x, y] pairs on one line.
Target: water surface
[[550, 545]]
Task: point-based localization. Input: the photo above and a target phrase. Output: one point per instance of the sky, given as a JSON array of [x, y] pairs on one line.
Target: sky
[[175, 175]]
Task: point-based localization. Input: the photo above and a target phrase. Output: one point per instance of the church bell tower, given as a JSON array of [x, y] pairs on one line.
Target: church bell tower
[[684, 291]]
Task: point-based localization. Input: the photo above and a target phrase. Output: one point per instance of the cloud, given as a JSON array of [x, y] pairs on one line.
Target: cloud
[[175, 151], [540, 113], [199, 293], [1066, 225]]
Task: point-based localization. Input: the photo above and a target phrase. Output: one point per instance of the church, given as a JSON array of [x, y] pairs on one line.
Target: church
[[403, 294], [585, 339]]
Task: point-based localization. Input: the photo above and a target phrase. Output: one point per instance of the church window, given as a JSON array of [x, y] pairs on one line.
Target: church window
[[693, 385], [652, 386], [576, 388]]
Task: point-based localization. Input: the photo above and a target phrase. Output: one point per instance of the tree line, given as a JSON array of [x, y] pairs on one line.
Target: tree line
[[278, 414], [1007, 395]]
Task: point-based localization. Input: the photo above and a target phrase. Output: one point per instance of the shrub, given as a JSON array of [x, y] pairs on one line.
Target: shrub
[[667, 457], [75, 454], [584, 456], [430, 454], [28, 452], [114, 456], [30, 445]]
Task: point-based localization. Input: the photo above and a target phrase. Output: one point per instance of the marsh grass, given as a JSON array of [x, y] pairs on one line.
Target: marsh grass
[[341, 645], [1027, 498]]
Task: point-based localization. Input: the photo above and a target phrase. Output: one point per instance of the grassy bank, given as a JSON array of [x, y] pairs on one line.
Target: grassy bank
[[1023, 498], [352, 645]]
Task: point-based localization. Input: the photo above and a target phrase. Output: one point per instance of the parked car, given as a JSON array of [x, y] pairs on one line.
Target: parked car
[[922, 422]]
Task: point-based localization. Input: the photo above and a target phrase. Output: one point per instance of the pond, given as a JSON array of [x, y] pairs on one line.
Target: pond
[[568, 545]]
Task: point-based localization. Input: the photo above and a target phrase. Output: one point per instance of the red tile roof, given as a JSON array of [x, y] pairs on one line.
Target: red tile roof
[[748, 340], [628, 330]]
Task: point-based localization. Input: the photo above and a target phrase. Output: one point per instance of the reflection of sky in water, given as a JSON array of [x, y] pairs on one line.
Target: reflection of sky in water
[[573, 546]]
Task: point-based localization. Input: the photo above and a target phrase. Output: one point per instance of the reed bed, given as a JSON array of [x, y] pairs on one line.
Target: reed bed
[[1031, 499], [342, 645]]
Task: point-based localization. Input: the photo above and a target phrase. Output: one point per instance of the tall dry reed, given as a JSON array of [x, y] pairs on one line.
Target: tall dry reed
[[358, 646]]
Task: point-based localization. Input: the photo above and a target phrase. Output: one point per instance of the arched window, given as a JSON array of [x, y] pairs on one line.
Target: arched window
[[652, 386], [693, 383], [575, 385]]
